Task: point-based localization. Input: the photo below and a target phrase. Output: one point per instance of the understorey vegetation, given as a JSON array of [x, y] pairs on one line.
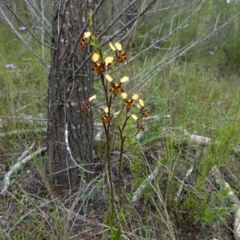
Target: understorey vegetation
[[164, 107]]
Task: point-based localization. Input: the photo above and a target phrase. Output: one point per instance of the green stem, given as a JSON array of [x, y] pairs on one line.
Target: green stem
[[122, 139], [111, 221], [109, 167]]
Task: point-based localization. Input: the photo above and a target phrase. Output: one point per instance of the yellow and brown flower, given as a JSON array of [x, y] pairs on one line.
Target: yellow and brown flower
[[129, 103], [116, 88], [98, 67], [145, 113], [122, 57], [106, 118], [84, 42]]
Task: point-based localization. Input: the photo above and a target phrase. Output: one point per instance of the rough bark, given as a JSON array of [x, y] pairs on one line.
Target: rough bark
[[68, 88]]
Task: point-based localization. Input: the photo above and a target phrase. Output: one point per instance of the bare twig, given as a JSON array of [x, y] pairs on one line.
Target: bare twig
[[234, 199], [70, 152], [16, 167]]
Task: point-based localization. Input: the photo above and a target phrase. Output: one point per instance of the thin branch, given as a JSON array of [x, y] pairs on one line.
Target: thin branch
[[70, 152], [16, 167]]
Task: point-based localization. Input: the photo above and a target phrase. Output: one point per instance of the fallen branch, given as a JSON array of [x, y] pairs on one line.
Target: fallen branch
[[66, 133], [183, 182], [16, 167], [234, 199], [138, 193]]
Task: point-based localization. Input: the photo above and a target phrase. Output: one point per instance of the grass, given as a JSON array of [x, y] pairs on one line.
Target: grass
[[194, 93], [23, 94]]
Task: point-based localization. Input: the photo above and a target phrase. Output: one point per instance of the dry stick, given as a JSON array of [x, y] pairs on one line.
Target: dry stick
[[16, 167], [236, 203], [200, 140], [138, 193], [25, 152], [183, 182], [70, 152], [29, 119]]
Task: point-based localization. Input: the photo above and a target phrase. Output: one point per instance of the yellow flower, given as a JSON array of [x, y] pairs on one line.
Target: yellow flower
[[124, 79], [116, 87], [108, 77], [92, 98]]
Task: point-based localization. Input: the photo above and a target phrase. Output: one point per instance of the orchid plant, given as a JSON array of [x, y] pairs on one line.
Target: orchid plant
[[131, 106]]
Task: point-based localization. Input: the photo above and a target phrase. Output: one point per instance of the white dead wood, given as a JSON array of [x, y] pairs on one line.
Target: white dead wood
[[234, 199], [16, 167], [196, 138], [183, 182], [25, 152], [70, 152], [138, 193]]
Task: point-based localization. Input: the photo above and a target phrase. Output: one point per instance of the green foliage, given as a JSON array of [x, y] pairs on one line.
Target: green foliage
[[206, 208]]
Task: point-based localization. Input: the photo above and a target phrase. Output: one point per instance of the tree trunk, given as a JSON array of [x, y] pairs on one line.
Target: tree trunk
[[68, 88]]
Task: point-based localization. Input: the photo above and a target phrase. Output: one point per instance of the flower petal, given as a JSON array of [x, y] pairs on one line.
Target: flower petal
[[112, 47], [124, 79], [87, 34], [116, 113], [135, 96], [124, 95], [134, 117], [108, 60], [106, 110], [141, 102], [95, 57], [92, 97], [118, 46], [108, 77]]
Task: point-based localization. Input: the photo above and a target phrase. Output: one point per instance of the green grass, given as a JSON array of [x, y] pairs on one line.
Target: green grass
[[23, 93]]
